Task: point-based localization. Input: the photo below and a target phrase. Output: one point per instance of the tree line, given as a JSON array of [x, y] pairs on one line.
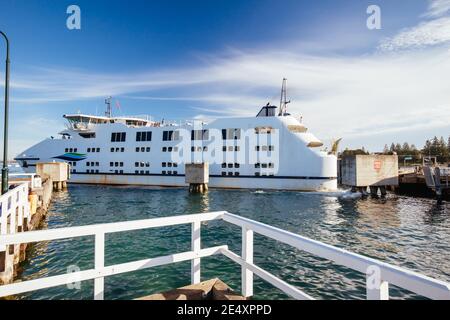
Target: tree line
[[435, 147]]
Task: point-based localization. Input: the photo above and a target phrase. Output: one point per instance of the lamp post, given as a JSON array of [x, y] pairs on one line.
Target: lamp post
[[5, 133]]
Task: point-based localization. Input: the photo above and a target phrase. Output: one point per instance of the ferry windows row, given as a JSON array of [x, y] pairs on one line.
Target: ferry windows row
[[142, 149], [231, 148], [265, 148], [92, 171], [118, 171], [231, 134], [87, 135], [199, 149], [199, 135], [141, 172], [230, 174], [144, 136], [142, 164], [116, 164], [72, 163], [231, 165], [169, 172], [171, 135], [264, 165], [169, 149], [259, 174], [122, 149], [118, 136], [92, 164], [264, 130], [93, 149], [169, 164], [70, 150]]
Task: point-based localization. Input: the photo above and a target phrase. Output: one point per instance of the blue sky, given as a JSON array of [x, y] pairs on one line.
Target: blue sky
[[207, 59]]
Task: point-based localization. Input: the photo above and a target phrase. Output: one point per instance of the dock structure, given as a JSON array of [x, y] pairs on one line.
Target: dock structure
[[426, 181], [379, 275], [376, 172], [23, 208], [197, 176]]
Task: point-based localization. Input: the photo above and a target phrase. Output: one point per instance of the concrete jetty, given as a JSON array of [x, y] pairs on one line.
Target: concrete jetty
[[197, 176], [23, 208]]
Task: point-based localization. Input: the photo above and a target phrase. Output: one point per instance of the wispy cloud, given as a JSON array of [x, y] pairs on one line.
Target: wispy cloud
[[432, 31], [437, 8]]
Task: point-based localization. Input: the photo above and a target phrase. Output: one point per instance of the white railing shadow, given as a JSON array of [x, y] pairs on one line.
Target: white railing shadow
[[378, 274]]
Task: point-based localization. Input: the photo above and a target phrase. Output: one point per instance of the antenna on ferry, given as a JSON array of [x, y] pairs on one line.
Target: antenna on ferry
[[108, 112], [283, 99]]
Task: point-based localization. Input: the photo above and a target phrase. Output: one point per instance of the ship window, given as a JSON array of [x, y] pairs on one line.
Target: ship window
[[121, 171], [257, 148], [224, 165], [163, 172], [112, 149], [264, 148], [230, 174], [264, 165], [137, 149], [224, 148], [88, 149], [164, 149], [271, 165], [142, 149], [142, 171], [224, 173], [199, 149], [147, 172], [70, 150], [144, 136], [163, 164], [267, 111], [257, 165], [87, 135], [236, 173], [230, 165], [147, 149], [237, 165], [231, 134], [88, 164], [147, 164], [271, 148], [136, 164], [116, 164], [75, 150], [237, 148], [87, 171], [171, 135], [74, 164], [122, 149], [111, 164], [193, 149], [66, 150], [121, 164], [175, 165], [97, 164], [175, 172], [205, 148], [230, 148], [118, 136], [169, 149], [257, 174], [98, 150], [136, 171], [200, 134]]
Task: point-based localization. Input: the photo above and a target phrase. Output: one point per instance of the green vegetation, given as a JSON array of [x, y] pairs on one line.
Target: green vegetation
[[434, 147]]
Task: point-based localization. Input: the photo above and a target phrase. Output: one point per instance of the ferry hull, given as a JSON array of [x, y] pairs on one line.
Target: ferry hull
[[274, 183]]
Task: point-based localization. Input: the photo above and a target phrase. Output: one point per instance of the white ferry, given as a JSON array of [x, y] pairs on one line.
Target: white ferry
[[273, 150]]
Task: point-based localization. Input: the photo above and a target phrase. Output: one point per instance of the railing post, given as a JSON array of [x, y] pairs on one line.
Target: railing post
[[376, 287], [99, 283], [196, 246], [247, 255]]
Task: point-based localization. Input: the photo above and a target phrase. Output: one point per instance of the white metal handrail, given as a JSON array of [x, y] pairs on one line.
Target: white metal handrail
[[15, 211], [35, 180], [378, 274]]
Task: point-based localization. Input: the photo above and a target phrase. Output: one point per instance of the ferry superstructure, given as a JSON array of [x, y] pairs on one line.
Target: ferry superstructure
[[273, 150]]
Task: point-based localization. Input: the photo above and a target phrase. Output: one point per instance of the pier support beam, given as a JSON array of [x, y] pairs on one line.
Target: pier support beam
[[197, 176]]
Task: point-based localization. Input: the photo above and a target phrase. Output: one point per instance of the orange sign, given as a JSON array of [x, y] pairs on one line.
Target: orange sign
[[377, 165]]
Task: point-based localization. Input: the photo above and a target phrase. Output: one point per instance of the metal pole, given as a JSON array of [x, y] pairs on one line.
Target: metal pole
[[5, 133]]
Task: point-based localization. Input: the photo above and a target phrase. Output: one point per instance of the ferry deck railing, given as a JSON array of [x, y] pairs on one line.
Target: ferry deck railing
[[379, 275]]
